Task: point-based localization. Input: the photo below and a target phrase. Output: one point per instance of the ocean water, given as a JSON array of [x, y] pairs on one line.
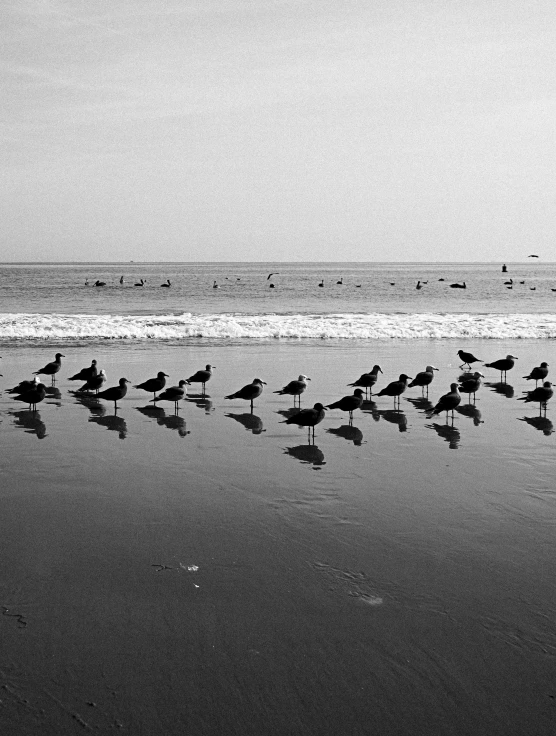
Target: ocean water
[[57, 302]]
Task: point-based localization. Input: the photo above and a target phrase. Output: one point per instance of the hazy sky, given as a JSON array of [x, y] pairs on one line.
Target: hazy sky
[[278, 130]]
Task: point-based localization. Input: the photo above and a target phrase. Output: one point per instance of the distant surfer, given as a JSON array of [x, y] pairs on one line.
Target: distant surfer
[[504, 268]]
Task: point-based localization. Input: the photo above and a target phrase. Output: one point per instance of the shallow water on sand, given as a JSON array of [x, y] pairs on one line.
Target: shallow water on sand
[[216, 573]]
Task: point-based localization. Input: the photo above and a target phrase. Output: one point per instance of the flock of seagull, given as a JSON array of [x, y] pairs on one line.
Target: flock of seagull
[[33, 391]]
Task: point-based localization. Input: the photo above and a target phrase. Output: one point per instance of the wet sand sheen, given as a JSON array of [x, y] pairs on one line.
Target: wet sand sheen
[[219, 576]]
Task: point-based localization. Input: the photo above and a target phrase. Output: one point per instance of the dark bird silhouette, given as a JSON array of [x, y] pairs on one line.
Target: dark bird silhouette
[[249, 392], [85, 373], [509, 283], [349, 403], [532, 256], [50, 369], [294, 388], [467, 358], [341, 281], [99, 283], [503, 365], [458, 286], [32, 396], [95, 383], [152, 385], [538, 374], [215, 285], [115, 393], [424, 379], [23, 386], [541, 395], [270, 275], [167, 284], [448, 402], [396, 388], [368, 380], [141, 282], [471, 384], [419, 285], [307, 417], [348, 432], [174, 394], [321, 284], [121, 279], [532, 288], [202, 376]]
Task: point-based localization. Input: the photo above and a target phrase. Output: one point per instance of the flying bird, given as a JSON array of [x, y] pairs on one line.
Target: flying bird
[[270, 275]]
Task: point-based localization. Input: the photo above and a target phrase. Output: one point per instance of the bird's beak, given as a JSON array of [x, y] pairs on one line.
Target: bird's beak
[[434, 369], [307, 378], [264, 382]]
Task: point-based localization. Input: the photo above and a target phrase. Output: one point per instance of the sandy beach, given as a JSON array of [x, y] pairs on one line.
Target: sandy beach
[[215, 574]]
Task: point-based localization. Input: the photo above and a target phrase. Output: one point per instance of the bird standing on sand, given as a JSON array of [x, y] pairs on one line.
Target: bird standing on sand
[[396, 388], [467, 358], [349, 403], [541, 394], [201, 376], [249, 392], [152, 385], [115, 393], [95, 383], [503, 365], [538, 374], [294, 388], [471, 384], [448, 402], [424, 379], [307, 418], [85, 373], [33, 396], [173, 393], [368, 380], [50, 369]]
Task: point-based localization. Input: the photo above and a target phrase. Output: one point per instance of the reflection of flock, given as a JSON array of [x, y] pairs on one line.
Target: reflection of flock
[[92, 392]]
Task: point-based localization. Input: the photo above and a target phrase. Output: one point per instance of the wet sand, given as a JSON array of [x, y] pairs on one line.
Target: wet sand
[[215, 574]]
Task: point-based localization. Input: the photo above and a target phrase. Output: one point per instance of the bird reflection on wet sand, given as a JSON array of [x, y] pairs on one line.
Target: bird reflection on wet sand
[[393, 416], [112, 422], [90, 402], [542, 423], [502, 388], [30, 422], [348, 432], [421, 403], [250, 421], [448, 432], [471, 411], [53, 392], [170, 421], [203, 401], [310, 454]]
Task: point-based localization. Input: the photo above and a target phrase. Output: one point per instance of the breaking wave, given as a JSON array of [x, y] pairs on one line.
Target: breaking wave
[[374, 326]]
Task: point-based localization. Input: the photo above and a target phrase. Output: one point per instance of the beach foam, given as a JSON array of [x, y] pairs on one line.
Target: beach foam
[[372, 326]]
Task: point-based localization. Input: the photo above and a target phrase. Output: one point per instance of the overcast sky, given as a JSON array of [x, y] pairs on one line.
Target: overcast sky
[[278, 130]]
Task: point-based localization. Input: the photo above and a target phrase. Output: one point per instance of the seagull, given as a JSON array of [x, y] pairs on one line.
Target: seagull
[[448, 402], [99, 283], [94, 383], [471, 384], [396, 388], [467, 358], [50, 369], [503, 365], [115, 393], [201, 376], [341, 281], [167, 284], [368, 380], [33, 396], [538, 374], [270, 275], [294, 388], [424, 378], [142, 282], [532, 256], [249, 392], [174, 393], [215, 285], [23, 386], [307, 418], [349, 403], [321, 284], [85, 373], [121, 279], [419, 285], [542, 394], [458, 286], [152, 385]]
